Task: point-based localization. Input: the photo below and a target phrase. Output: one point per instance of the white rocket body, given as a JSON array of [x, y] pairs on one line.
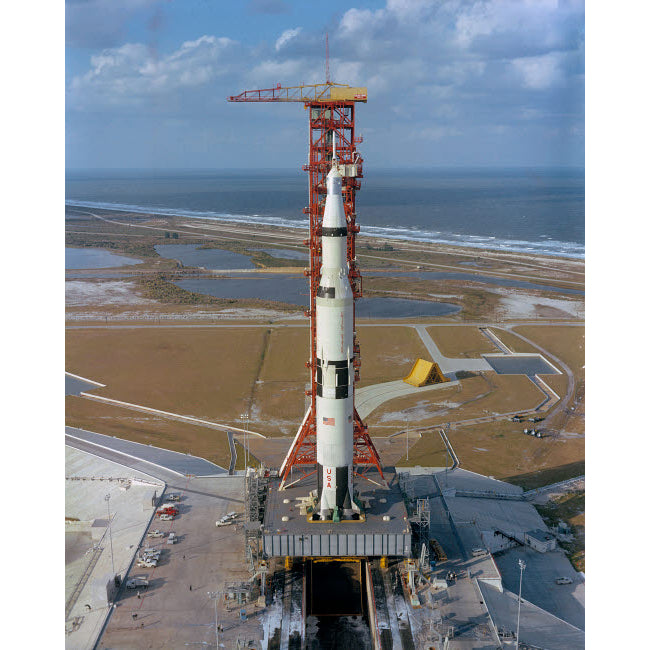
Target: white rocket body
[[334, 369]]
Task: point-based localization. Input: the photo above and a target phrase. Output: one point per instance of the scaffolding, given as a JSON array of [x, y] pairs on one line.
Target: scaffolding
[[255, 502], [421, 524]]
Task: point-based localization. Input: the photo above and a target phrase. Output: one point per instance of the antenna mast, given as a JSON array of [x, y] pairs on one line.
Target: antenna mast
[[327, 58]]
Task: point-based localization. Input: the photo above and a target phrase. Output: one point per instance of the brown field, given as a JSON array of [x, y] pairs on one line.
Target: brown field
[[568, 344], [559, 383], [219, 373], [147, 429], [513, 342], [475, 397], [461, 342], [202, 373], [388, 353], [500, 449], [565, 342]]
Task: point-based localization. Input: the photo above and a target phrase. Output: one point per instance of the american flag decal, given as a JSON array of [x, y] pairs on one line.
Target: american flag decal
[[329, 421]]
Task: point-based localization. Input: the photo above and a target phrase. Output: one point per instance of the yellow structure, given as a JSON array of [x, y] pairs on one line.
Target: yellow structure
[[424, 373]]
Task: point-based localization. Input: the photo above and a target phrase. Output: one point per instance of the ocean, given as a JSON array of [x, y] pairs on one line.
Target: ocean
[[526, 210]]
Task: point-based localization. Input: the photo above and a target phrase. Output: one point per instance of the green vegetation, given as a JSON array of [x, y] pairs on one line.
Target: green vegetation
[[137, 249], [543, 477], [569, 508], [159, 288]]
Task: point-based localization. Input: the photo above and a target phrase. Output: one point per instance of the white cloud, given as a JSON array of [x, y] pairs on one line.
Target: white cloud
[[132, 73], [286, 36], [437, 132], [540, 72]]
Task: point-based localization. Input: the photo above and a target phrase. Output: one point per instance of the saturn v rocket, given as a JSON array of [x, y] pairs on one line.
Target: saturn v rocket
[[334, 363]]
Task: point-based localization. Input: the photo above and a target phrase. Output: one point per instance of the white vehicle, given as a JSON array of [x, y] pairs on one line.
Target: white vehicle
[[145, 563], [174, 497], [166, 517], [137, 583], [172, 539], [168, 505], [225, 521], [478, 552], [150, 556], [155, 533], [563, 581]]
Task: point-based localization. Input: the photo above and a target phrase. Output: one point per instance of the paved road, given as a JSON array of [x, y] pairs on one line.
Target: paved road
[[172, 324], [369, 398], [233, 454], [447, 365], [76, 386], [161, 463]]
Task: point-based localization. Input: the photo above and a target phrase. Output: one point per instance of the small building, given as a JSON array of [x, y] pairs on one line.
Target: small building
[[540, 540]]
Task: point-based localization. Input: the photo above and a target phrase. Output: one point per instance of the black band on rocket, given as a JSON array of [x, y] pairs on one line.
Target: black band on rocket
[[334, 232], [325, 292]]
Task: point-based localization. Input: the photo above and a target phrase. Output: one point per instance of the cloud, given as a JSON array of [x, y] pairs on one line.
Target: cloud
[[131, 75], [286, 36], [540, 72], [448, 71], [100, 23]]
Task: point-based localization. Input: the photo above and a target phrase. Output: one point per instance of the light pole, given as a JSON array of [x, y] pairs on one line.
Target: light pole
[[215, 596], [407, 438], [244, 417], [107, 498], [522, 566]]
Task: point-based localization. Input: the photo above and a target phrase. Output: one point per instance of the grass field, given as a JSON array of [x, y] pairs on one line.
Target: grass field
[[147, 429], [500, 449], [205, 373], [461, 342], [567, 343], [513, 342], [475, 397], [388, 353]]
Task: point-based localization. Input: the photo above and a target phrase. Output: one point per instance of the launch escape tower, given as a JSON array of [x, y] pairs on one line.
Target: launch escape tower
[[331, 110]]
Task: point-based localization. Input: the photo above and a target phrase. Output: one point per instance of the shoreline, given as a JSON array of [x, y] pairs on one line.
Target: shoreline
[[526, 248]]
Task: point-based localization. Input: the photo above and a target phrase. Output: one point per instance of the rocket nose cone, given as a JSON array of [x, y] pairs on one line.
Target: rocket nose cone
[[334, 182]]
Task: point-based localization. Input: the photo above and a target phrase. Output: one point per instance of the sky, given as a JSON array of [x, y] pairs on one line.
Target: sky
[[452, 83]]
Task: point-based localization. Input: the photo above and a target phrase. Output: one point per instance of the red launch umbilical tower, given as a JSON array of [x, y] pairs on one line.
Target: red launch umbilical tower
[[331, 109]]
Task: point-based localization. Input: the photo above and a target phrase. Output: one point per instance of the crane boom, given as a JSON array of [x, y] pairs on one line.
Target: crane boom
[[327, 92]]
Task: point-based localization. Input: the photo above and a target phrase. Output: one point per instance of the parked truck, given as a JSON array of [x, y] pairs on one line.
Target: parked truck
[[137, 583]]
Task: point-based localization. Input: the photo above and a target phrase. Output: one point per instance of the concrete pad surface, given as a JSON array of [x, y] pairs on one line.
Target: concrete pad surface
[[130, 511], [171, 615], [172, 460], [564, 601], [536, 626]]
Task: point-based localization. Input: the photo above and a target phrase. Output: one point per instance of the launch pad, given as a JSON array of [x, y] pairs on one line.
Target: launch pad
[[385, 532]]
